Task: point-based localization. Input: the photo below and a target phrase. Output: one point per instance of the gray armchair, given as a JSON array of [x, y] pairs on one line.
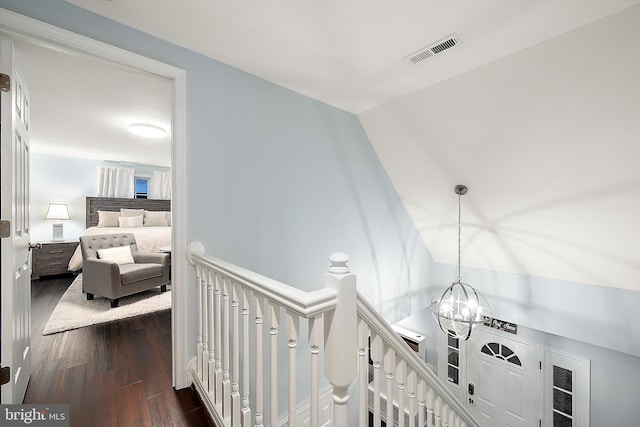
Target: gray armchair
[[111, 280]]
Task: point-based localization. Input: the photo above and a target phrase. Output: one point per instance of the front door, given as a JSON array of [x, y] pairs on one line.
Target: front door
[[503, 380], [15, 288]]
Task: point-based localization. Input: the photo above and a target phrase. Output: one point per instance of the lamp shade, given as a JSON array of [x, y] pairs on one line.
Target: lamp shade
[[57, 211]]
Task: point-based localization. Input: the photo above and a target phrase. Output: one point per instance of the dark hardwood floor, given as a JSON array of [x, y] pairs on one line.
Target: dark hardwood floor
[[114, 374]]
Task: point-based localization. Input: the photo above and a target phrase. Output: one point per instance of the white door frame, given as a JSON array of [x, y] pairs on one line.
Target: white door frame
[[16, 26]]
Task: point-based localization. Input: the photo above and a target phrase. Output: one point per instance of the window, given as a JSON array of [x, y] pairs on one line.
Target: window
[[141, 187], [562, 397], [453, 360], [567, 389], [501, 352]]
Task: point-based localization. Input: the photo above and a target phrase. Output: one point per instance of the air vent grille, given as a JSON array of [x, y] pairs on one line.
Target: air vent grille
[[433, 49]]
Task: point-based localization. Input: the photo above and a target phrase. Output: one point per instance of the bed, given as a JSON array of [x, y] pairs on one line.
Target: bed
[[102, 217]]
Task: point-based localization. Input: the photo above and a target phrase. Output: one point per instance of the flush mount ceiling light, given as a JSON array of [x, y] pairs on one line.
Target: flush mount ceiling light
[[147, 130], [460, 307]]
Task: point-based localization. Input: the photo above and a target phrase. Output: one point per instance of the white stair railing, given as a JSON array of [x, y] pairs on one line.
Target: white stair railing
[[239, 322]]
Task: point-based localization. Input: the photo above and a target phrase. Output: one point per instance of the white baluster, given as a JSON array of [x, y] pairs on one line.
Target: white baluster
[[211, 329], [411, 392], [376, 357], [430, 406], [274, 317], [205, 329], [437, 412], [445, 415], [363, 373], [340, 331], [314, 348], [389, 364], [259, 301], [199, 320], [246, 351], [422, 397], [217, 304], [235, 350], [226, 381], [293, 329], [401, 373]]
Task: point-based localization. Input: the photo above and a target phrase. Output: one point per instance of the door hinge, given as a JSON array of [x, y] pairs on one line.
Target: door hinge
[[5, 229], [5, 375], [541, 365], [5, 82]]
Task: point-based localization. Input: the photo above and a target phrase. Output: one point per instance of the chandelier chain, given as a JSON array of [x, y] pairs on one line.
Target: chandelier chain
[[459, 231]]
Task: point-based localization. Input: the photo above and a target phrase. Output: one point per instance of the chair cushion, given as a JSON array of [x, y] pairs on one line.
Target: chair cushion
[[131, 273], [120, 255]]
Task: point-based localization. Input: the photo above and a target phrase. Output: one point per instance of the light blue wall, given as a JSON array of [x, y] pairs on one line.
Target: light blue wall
[[69, 180], [63, 180]]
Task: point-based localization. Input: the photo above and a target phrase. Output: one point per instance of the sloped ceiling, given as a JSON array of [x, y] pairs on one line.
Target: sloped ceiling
[[536, 112]]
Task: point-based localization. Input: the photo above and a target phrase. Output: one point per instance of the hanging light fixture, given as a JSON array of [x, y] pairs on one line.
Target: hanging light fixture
[[460, 307]]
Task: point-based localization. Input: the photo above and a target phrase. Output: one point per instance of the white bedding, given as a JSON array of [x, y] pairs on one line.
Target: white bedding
[[148, 239]]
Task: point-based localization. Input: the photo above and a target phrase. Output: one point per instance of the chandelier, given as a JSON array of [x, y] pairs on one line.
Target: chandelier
[[460, 307]]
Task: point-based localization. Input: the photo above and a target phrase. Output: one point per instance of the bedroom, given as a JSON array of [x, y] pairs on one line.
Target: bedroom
[[70, 163]]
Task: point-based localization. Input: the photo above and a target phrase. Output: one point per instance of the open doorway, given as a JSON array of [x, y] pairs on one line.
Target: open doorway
[[24, 30]]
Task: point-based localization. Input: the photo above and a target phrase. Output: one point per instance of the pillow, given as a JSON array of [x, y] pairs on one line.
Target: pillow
[[130, 221], [131, 212], [108, 219], [120, 255], [154, 219], [168, 215]]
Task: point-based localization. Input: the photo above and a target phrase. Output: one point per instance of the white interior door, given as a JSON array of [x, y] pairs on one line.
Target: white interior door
[[15, 307], [503, 381]]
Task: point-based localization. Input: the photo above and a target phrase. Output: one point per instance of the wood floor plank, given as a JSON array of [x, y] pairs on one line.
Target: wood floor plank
[[113, 374], [132, 406]]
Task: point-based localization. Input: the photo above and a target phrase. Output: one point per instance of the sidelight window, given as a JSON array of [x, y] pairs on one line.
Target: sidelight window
[[562, 397], [453, 360]]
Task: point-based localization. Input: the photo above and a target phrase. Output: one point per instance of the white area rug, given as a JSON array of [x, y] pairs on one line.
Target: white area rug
[[74, 311]]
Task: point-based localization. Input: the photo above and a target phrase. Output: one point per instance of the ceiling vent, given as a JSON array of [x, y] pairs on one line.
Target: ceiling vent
[[431, 50]]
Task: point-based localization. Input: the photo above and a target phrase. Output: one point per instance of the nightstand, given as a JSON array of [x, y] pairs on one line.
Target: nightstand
[[52, 258]]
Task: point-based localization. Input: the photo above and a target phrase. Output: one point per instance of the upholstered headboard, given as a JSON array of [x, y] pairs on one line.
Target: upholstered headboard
[[94, 204]]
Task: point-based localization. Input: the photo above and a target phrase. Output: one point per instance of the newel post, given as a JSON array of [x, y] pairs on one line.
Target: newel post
[[340, 336]]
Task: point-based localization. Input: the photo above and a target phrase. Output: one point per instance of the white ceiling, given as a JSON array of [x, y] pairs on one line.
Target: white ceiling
[[81, 107], [535, 111]]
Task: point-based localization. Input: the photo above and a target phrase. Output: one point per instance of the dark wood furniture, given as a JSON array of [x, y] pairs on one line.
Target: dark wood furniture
[[52, 258], [95, 204]]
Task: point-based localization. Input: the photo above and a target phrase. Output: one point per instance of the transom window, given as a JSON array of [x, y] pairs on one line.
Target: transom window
[[500, 351]]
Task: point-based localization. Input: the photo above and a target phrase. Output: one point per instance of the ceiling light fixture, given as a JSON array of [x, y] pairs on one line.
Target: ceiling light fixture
[[147, 130], [460, 307]]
